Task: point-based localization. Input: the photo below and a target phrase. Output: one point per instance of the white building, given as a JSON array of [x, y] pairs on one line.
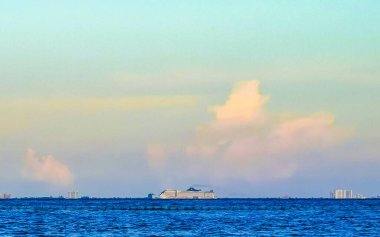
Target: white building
[[73, 195], [341, 194], [5, 196]]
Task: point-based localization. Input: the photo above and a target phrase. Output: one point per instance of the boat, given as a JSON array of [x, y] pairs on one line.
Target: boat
[[190, 193]]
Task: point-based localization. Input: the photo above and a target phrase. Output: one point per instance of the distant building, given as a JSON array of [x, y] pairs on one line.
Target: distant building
[[360, 196], [73, 195], [341, 194], [5, 196]]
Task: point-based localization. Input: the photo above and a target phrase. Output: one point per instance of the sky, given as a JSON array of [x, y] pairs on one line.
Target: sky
[[249, 98]]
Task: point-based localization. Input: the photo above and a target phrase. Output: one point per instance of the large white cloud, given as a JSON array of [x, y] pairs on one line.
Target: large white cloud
[[46, 169], [245, 142]]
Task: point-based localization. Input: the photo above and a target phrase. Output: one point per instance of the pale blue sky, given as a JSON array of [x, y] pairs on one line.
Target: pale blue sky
[[310, 56]]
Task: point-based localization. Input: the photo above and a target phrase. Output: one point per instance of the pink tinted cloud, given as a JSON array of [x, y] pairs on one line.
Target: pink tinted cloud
[[245, 142], [46, 169], [243, 105]]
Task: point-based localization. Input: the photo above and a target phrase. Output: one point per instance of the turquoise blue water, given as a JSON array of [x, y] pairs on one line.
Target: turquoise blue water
[[222, 217]]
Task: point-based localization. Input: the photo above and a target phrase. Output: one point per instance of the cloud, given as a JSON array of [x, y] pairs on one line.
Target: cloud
[[243, 105], [46, 169], [245, 142]]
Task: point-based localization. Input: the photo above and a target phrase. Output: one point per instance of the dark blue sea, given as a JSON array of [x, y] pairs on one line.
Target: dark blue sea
[[222, 217]]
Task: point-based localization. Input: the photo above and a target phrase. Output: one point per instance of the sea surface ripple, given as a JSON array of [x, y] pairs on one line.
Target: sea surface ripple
[[221, 217]]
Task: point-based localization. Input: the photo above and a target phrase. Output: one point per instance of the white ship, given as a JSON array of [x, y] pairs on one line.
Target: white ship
[[190, 193]]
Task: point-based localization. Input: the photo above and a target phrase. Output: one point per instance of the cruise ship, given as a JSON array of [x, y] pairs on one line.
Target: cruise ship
[[190, 193]]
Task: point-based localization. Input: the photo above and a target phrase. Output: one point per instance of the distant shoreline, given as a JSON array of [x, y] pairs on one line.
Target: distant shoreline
[[158, 199]]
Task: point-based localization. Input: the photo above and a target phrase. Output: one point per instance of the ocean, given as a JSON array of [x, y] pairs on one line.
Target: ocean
[[221, 217]]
